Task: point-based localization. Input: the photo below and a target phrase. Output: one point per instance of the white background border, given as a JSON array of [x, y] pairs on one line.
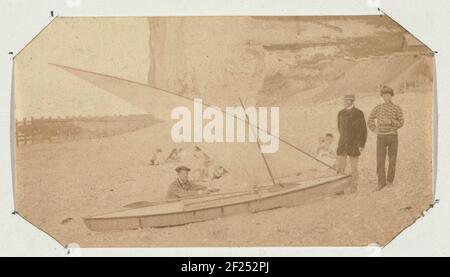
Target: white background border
[[21, 20]]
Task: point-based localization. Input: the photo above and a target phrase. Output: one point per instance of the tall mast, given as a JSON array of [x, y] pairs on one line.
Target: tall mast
[[259, 144]]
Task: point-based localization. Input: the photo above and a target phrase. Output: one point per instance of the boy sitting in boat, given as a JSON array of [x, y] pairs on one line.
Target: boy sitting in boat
[[182, 187], [219, 179]]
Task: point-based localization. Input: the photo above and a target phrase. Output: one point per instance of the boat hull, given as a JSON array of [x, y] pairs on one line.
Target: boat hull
[[203, 210]]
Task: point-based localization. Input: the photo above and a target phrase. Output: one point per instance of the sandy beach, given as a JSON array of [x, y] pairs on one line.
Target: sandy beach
[[58, 184]]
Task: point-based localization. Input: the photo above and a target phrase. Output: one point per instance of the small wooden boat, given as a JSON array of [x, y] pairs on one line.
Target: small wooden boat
[[195, 209]]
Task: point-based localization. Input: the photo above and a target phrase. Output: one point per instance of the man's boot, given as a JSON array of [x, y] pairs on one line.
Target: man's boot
[[379, 187], [352, 188]]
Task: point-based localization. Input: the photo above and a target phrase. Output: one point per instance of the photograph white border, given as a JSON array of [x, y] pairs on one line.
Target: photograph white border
[[21, 20]]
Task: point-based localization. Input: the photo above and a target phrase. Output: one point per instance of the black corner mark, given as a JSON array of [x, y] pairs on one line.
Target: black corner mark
[[52, 13], [435, 203], [10, 52]]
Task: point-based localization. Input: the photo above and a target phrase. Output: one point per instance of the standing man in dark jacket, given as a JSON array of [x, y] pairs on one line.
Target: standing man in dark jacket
[[353, 135]]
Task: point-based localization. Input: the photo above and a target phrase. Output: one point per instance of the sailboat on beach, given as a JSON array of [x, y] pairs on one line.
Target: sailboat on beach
[[286, 178]]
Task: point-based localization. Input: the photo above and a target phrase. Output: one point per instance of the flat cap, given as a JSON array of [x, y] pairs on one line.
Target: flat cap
[[349, 97], [182, 167], [386, 89]]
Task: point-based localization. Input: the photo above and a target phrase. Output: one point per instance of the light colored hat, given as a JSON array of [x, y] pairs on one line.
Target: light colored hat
[[349, 97]]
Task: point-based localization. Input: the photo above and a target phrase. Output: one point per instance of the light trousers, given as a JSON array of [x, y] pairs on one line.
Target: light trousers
[[341, 164]]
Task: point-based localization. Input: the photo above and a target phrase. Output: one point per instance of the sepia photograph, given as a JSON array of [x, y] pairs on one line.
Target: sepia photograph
[[223, 131]]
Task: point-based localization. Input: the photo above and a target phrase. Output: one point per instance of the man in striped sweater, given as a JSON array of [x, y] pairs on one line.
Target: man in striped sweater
[[385, 119]]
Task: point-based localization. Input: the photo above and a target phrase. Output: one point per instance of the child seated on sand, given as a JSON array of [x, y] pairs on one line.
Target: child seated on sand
[[325, 152], [160, 157], [156, 157]]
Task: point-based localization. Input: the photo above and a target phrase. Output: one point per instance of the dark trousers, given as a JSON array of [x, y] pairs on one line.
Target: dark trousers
[[386, 144]]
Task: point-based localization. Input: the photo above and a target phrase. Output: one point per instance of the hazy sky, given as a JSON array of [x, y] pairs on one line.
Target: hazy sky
[[115, 46]]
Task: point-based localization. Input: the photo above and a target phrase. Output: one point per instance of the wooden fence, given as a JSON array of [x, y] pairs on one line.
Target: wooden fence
[[50, 129]]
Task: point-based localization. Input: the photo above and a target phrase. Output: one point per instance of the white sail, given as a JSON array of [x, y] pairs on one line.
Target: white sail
[[242, 159]]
